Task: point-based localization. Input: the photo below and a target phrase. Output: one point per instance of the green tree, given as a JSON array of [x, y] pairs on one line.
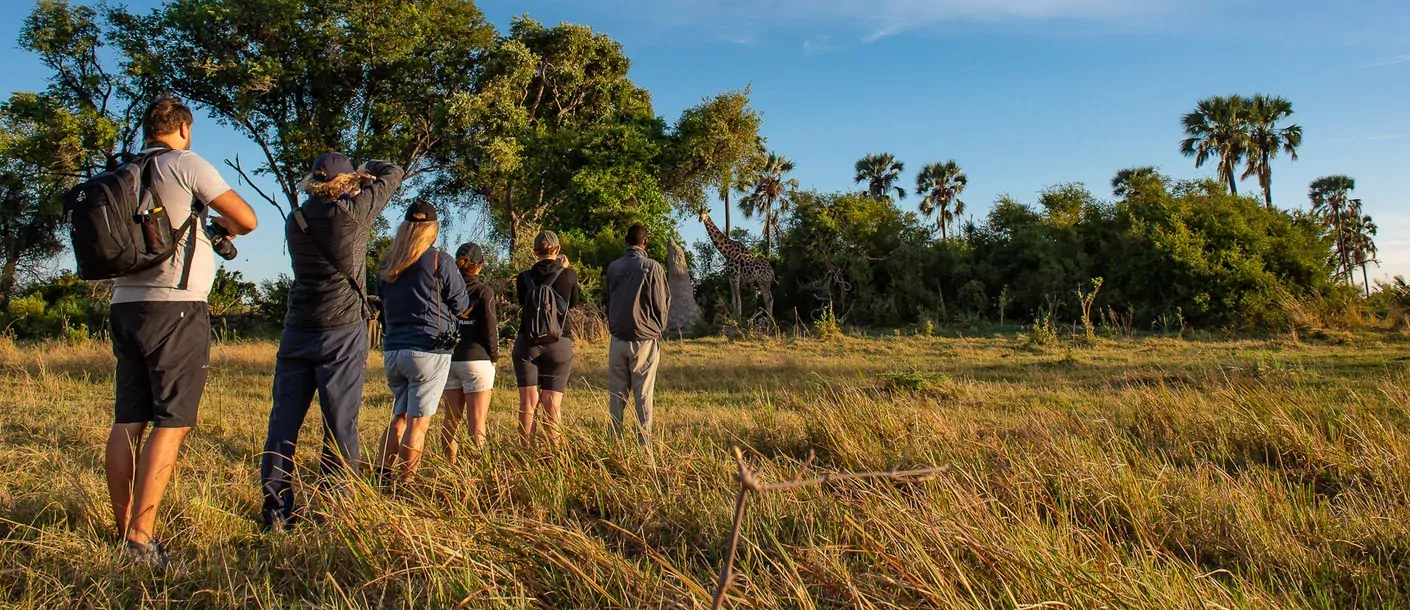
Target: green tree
[[1331, 198], [880, 172], [770, 195], [940, 185], [72, 41], [51, 140], [555, 133], [1267, 138], [1361, 240], [857, 254], [717, 147], [1130, 181], [1216, 129], [41, 154], [230, 293], [366, 77]]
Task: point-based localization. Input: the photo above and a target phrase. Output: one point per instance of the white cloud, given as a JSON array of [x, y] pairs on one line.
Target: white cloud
[[818, 44], [881, 33], [1388, 61]]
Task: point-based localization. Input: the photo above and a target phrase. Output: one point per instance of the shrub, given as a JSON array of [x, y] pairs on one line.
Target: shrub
[[826, 326]]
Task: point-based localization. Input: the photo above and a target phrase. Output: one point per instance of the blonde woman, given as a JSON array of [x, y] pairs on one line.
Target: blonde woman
[[323, 347], [422, 297]]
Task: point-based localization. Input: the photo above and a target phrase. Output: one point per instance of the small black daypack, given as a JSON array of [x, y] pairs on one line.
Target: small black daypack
[[548, 310], [118, 225]]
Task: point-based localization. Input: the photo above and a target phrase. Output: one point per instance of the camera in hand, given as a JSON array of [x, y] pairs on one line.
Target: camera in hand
[[219, 242]]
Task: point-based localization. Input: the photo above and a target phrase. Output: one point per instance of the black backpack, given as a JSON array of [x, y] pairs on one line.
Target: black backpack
[[547, 310], [119, 226]]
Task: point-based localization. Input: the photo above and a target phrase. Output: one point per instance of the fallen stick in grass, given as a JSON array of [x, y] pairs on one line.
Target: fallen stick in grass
[[748, 482]]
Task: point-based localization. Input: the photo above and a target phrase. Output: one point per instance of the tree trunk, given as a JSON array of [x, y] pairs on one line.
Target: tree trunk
[[1233, 184], [1267, 179], [12, 261], [513, 218], [768, 232], [1344, 272], [7, 279], [725, 195], [1365, 280]]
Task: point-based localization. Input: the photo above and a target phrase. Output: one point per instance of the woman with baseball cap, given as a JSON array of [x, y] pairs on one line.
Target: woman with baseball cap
[[423, 295], [472, 364], [542, 369]]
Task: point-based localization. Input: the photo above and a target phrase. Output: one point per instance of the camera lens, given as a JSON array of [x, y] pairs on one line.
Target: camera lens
[[219, 243]]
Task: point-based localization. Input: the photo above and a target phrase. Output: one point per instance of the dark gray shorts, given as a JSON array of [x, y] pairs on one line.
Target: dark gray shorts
[[163, 353], [546, 366]]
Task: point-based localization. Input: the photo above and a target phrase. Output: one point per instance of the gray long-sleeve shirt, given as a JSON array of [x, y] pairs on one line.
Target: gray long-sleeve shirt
[[638, 298]]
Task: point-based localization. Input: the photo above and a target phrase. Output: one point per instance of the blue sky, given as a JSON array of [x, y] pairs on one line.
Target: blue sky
[[1022, 93]]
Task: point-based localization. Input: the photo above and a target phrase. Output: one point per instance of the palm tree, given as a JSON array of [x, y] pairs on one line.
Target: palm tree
[[1127, 181], [734, 176], [1216, 129], [1266, 139], [939, 185], [880, 172], [771, 195], [1361, 240], [1329, 195]]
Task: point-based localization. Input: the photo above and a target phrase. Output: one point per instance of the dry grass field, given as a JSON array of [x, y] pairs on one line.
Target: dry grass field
[[1133, 473]]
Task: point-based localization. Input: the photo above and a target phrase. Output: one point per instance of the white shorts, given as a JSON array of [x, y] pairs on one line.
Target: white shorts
[[470, 377]]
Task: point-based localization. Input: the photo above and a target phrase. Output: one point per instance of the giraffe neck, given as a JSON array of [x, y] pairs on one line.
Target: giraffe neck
[[722, 241]]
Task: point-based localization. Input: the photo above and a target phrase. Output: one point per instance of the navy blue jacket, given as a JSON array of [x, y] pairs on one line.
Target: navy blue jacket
[[414, 312], [321, 298]]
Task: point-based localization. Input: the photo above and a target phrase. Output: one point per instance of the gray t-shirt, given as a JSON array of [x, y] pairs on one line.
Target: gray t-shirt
[[180, 176]]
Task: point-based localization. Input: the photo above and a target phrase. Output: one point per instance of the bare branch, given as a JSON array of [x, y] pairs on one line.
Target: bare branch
[[749, 482], [243, 176]]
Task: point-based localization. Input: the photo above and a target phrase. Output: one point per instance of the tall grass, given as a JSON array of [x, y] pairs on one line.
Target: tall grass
[[1148, 473]]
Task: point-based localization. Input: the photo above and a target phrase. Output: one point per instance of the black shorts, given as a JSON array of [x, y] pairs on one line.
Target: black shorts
[[163, 352], [546, 366]]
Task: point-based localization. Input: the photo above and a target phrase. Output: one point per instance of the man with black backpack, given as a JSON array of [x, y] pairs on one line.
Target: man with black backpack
[[324, 344], [543, 351], [143, 225]]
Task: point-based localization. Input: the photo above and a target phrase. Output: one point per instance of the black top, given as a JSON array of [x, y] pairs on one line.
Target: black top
[[479, 329], [423, 303], [566, 286], [321, 298]]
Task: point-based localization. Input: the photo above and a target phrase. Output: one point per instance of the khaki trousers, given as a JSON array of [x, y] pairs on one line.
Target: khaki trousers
[[631, 366]]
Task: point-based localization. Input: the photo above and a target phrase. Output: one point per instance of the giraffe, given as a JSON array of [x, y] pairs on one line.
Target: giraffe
[[741, 264]]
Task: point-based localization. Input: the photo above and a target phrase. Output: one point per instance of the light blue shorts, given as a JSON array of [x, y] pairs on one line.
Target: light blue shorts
[[417, 380]]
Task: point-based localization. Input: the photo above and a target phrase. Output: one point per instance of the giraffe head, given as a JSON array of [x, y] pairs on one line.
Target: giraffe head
[[704, 214]]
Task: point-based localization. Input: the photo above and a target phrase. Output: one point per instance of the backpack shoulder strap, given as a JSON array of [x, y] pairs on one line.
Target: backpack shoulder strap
[[554, 278], [194, 221]]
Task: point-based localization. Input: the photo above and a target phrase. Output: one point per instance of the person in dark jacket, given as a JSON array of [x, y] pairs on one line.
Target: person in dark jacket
[[637, 303], [542, 371], [324, 344], [472, 364], [423, 297]]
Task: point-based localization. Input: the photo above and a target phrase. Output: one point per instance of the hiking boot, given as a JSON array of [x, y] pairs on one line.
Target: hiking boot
[[152, 555]]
